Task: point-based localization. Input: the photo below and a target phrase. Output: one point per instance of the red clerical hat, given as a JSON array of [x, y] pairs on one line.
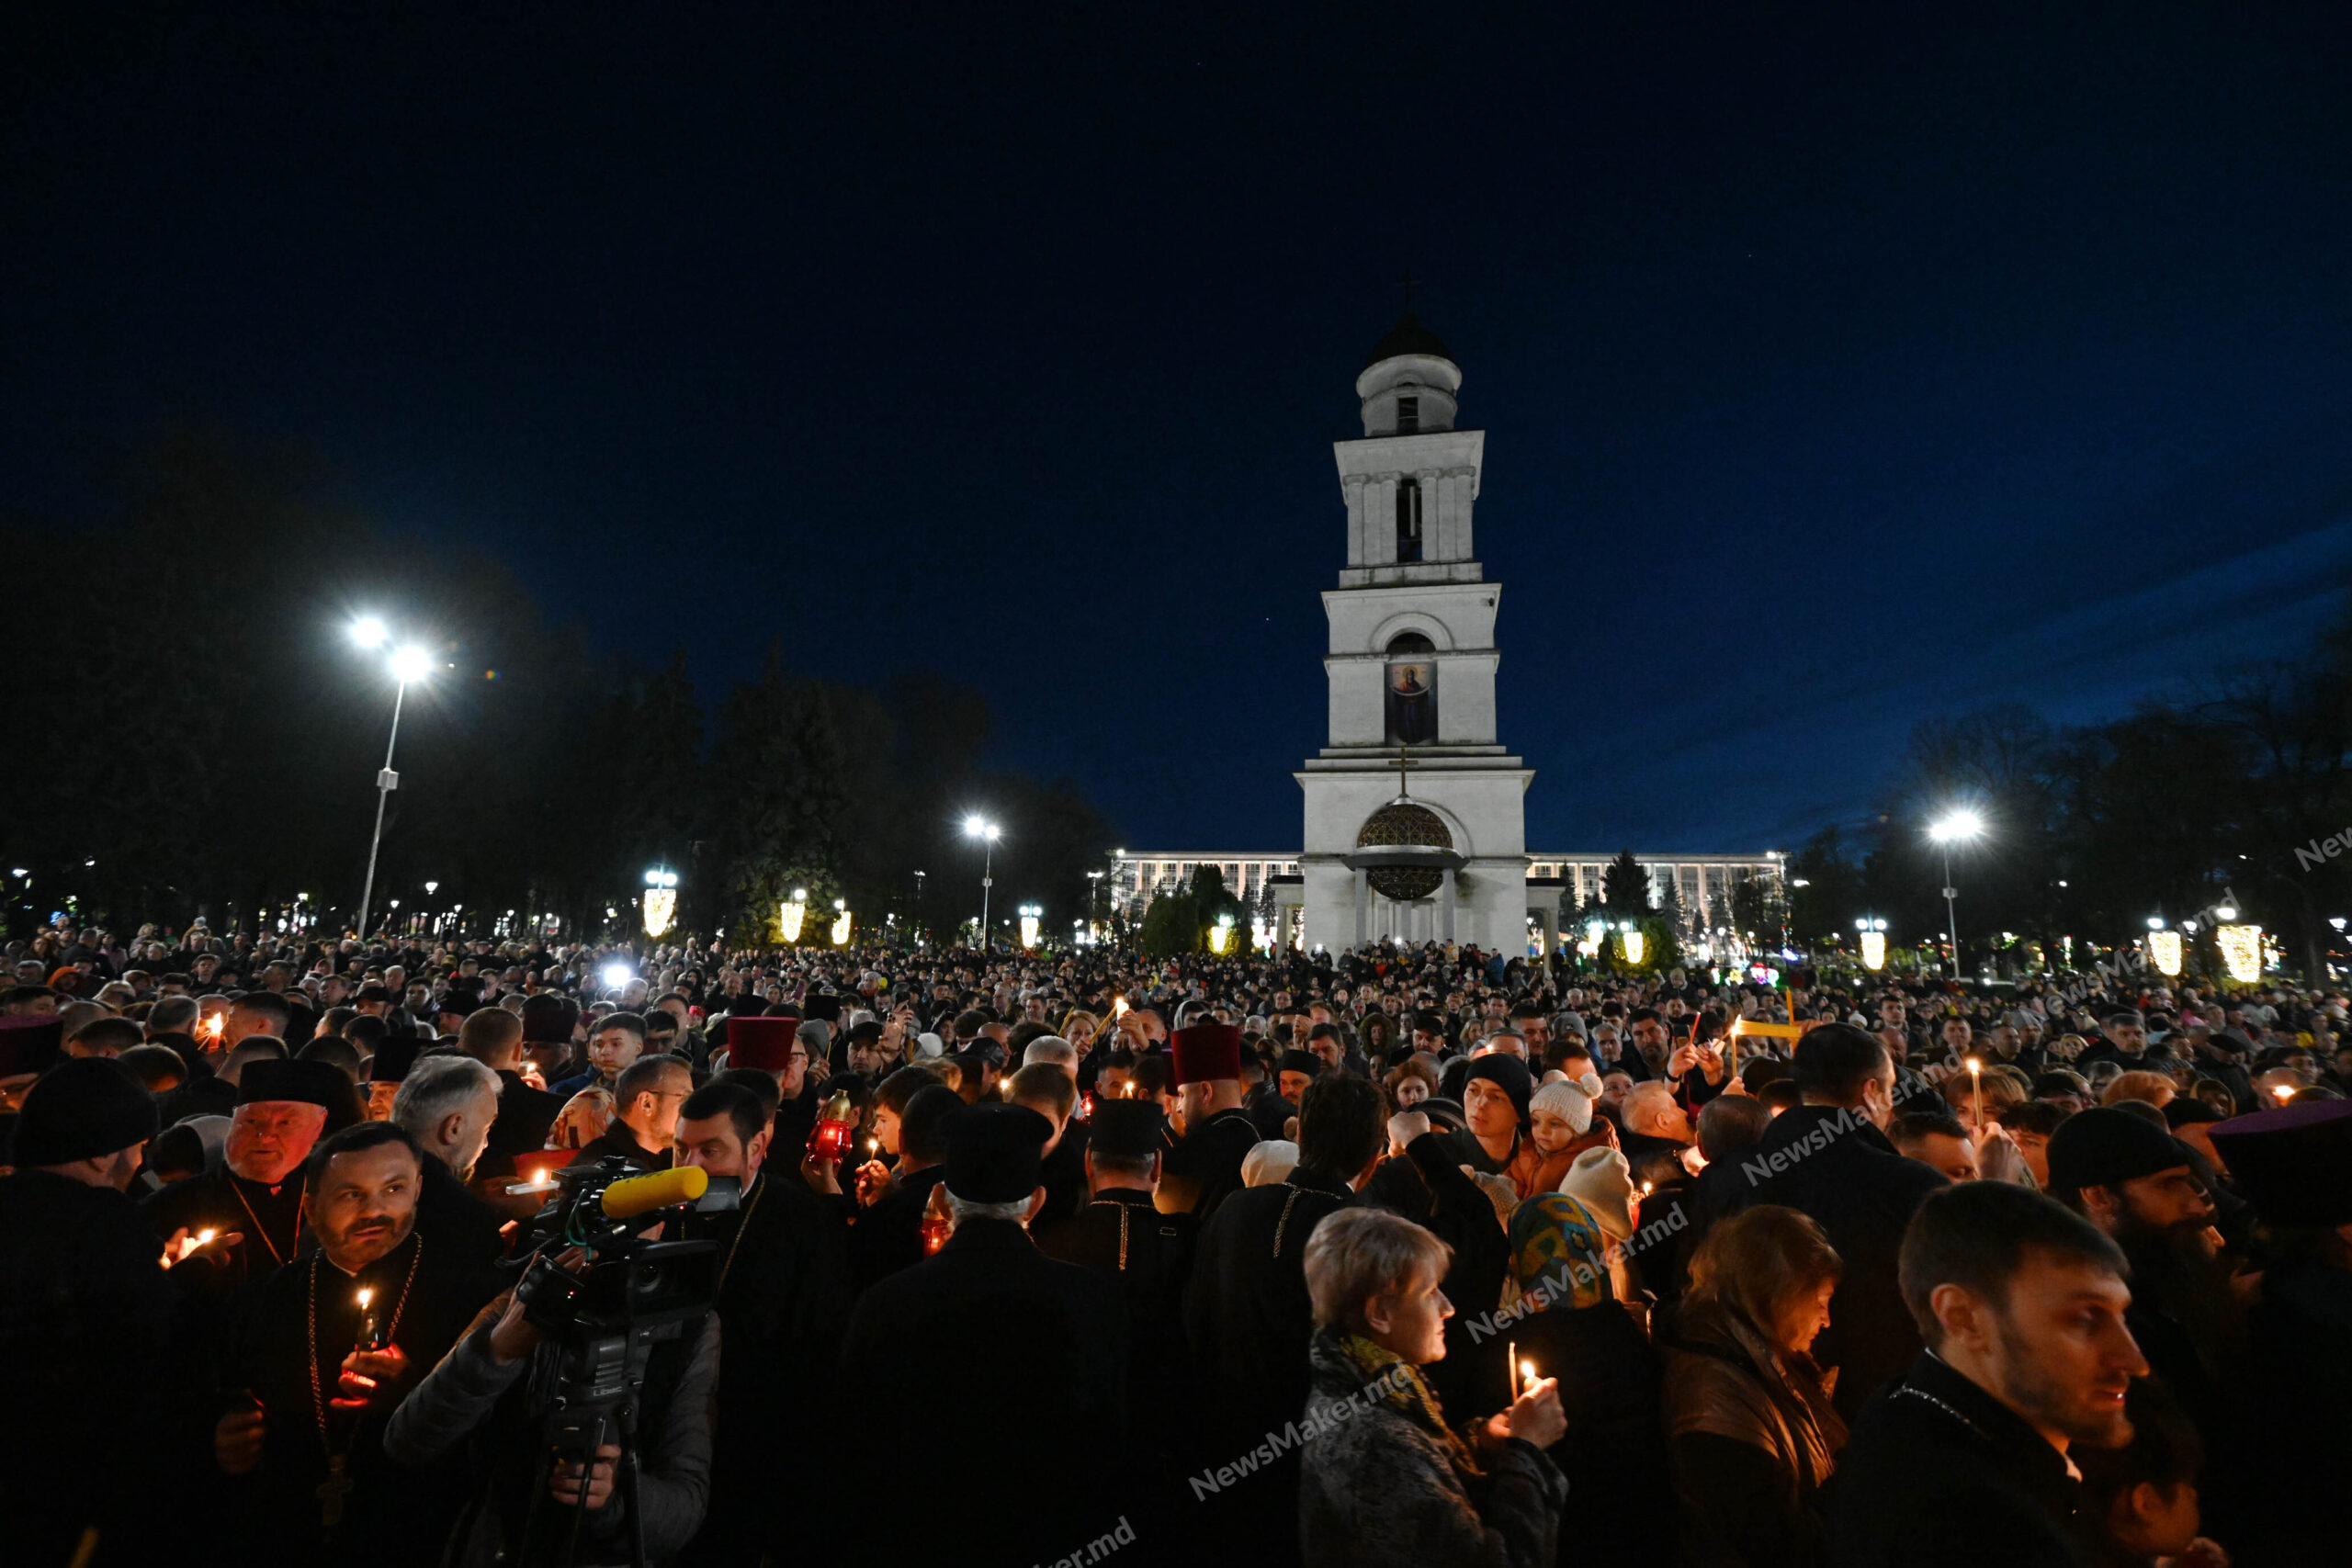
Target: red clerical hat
[[762, 1042], [1207, 1051]]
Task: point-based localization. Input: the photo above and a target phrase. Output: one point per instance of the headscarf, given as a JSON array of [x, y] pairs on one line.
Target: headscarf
[[1557, 1246]]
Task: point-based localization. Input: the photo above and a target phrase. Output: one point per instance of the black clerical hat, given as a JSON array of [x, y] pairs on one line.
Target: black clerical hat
[[307, 1083], [995, 1152], [395, 1054], [1131, 1129], [30, 1043], [2106, 1146], [81, 1110]]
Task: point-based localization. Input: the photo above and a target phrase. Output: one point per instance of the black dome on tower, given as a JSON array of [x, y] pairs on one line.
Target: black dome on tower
[[1408, 336]]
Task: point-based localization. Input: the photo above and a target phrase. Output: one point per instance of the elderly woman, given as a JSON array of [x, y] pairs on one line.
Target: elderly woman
[[1568, 1265], [1387, 1481], [1751, 1434]]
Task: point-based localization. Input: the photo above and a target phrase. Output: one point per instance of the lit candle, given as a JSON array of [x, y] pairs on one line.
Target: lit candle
[[1976, 1086], [1527, 1374], [367, 1328], [2284, 1091], [1511, 1350], [204, 1238]]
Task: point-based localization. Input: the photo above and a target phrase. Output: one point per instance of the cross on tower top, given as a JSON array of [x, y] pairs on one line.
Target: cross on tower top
[[1404, 782]]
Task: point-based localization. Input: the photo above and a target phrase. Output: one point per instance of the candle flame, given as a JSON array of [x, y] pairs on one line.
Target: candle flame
[[204, 1237], [2284, 1091], [1527, 1373], [366, 1295], [1974, 1066]]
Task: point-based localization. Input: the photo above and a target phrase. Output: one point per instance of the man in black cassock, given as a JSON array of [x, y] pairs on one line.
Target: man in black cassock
[[783, 1300], [318, 1371], [90, 1328], [1248, 1316], [1120, 1234], [283, 1108], [1037, 1423], [1205, 1168]]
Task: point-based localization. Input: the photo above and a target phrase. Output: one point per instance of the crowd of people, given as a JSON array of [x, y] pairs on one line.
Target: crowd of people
[[1410, 1256]]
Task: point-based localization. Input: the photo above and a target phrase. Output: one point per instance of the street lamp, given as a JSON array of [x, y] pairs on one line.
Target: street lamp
[[408, 663], [987, 832], [1960, 826]]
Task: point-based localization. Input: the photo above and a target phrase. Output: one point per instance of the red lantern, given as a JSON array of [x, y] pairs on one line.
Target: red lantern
[[831, 1139]]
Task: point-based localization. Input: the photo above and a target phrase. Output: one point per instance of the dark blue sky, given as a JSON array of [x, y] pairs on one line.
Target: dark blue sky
[[1842, 366]]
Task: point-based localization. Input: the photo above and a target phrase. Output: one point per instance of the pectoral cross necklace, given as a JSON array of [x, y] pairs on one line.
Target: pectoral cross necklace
[[338, 1484]]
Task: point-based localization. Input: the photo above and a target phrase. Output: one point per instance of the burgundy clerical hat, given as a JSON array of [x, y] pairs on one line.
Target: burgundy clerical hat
[[1207, 1051], [762, 1042]]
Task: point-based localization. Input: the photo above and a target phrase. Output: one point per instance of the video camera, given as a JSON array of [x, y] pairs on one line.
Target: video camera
[[603, 1322]]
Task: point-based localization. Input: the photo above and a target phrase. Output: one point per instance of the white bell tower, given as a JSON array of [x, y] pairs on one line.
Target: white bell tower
[[1411, 665]]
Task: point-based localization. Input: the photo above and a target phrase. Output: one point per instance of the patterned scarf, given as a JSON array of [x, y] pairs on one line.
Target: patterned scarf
[[1557, 1243], [1404, 1388]]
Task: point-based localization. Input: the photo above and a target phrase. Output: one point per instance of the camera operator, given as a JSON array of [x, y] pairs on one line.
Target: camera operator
[[480, 1395]]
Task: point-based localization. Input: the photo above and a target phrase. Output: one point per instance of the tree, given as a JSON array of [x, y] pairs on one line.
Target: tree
[[1626, 887], [1172, 925]]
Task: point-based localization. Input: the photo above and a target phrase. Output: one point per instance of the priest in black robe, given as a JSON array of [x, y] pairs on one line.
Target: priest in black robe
[[1204, 1169], [334, 1341], [783, 1298], [1122, 1235], [95, 1390], [1045, 1415], [1247, 1317], [257, 1195]]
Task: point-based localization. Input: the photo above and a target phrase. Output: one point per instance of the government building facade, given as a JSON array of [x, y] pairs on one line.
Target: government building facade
[[1415, 811]]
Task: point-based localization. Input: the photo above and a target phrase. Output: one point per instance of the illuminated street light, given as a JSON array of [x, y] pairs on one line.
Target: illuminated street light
[[987, 832], [408, 663], [1959, 826]]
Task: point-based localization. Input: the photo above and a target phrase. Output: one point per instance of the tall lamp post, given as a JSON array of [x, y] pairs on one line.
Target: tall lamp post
[[987, 832], [1959, 826], [409, 663]]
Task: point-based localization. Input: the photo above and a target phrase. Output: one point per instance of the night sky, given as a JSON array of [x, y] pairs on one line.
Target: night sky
[[1841, 367]]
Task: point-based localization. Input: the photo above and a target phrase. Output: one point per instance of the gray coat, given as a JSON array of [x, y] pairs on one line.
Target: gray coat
[[1377, 1490], [461, 1395]]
